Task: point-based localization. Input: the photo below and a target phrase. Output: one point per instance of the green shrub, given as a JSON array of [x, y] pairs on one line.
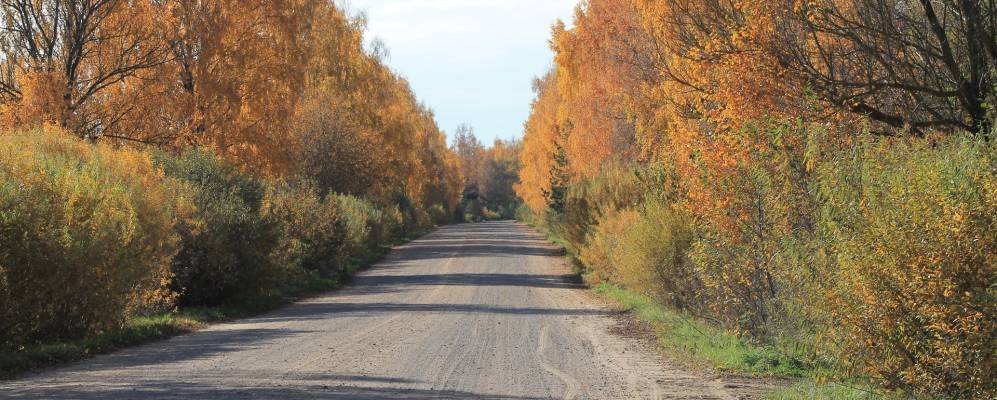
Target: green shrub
[[226, 245], [525, 215], [472, 210], [755, 247], [439, 215], [313, 235], [644, 249], [600, 255], [490, 215], [575, 223], [654, 259], [392, 225], [423, 221], [362, 221], [912, 225], [583, 205], [617, 187], [408, 219], [86, 236]]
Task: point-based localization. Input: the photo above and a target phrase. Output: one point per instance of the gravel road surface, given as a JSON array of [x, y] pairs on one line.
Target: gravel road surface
[[472, 311]]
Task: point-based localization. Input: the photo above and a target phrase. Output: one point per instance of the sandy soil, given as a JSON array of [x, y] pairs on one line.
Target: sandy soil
[[476, 311]]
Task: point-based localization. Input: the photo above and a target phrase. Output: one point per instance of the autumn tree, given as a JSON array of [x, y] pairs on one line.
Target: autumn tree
[[540, 135], [559, 180], [911, 65], [502, 168], [279, 88], [471, 153], [346, 78], [332, 150], [444, 176], [905, 65], [490, 174], [67, 61], [234, 77], [602, 64]]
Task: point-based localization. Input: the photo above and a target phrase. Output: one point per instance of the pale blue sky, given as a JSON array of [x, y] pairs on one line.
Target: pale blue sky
[[471, 61]]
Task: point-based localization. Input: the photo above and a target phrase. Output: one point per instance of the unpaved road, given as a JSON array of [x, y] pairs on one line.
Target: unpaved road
[[477, 311]]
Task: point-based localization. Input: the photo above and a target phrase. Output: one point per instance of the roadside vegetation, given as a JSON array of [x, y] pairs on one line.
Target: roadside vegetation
[[167, 164], [698, 344], [695, 342], [776, 190], [106, 247], [489, 176]]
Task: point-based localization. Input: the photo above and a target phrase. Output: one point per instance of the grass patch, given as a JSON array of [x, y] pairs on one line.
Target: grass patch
[[696, 342], [136, 331], [146, 329], [810, 389]]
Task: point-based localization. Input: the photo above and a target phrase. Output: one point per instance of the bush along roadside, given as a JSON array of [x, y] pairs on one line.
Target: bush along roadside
[[103, 247], [700, 344], [865, 270]]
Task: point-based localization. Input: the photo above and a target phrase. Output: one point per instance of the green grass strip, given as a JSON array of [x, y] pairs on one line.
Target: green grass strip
[[697, 343]]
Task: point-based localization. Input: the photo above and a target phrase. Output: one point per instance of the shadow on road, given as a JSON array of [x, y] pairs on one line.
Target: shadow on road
[[466, 279], [463, 242], [310, 311], [488, 239], [171, 390], [202, 345]]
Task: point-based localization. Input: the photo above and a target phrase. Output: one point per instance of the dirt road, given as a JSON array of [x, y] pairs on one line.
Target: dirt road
[[478, 311]]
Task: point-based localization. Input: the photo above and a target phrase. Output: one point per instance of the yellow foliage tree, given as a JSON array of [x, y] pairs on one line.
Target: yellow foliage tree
[[541, 133]]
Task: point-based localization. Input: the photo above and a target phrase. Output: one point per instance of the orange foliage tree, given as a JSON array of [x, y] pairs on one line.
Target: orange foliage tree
[[279, 87], [72, 62], [541, 133], [232, 78]]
